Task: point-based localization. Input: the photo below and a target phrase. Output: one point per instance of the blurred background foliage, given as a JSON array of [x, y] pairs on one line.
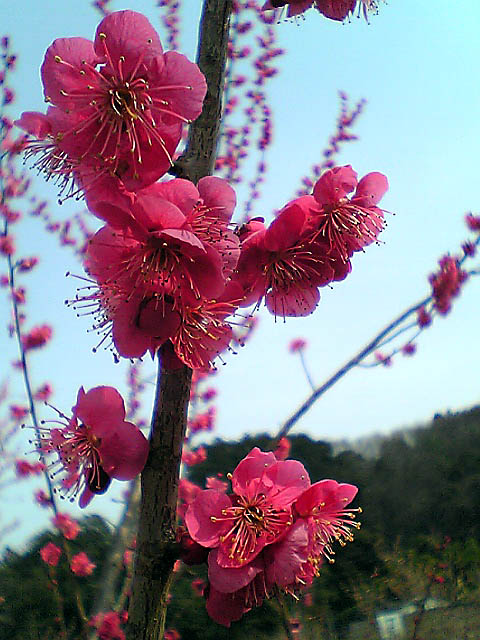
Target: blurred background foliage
[[420, 494]]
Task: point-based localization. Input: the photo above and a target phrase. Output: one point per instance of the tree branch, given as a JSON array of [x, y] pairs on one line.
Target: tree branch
[[371, 346], [156, 552]]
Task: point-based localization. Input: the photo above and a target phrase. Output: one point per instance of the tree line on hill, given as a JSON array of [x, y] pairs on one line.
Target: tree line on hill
[[420, 535]]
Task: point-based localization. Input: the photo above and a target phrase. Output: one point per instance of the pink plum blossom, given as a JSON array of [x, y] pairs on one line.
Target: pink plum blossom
[[447, 283], [67, 525], [81, 564], [256, 514], [273, 531], [50, 554], [119, 104], [284, 264], [96, 444], [348, 224]]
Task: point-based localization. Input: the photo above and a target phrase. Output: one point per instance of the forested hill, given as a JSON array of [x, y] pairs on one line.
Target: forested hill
[[422, 489], [423, 481]]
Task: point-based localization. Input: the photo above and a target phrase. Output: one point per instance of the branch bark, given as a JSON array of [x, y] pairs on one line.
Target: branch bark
[[199, 157], [369, 348], [156, 549], [155, 552]]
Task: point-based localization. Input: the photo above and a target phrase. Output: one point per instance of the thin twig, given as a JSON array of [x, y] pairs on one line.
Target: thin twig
[[369, 348]]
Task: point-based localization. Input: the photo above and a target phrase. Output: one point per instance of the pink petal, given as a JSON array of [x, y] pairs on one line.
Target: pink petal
[[182, 193], [156, 158], [66, 69], [198, 519], [130, 341], [37, 124], [128, 34], [249, 471], [225, 608], [335, 9], [158, 320], [106, 250], [99, 408], [184, 237], [217, 194], [108, 199], [228, 580], [186, 101], [371, 189], [328, 493], [85, 498], [284, 558], [289, 479], [334, 185], [298, 7], [155, 213], [125, 452], [203, 346], [285, 229], [299, 301]]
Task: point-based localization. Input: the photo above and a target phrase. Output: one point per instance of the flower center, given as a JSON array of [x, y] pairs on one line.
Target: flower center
[[123, 102], [254, 523]]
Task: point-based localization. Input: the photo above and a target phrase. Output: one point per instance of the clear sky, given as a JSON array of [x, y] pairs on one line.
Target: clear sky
[[417, 65]]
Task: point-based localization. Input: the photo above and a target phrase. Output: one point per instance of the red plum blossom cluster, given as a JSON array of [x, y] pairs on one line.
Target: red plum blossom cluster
[[333, 9], [310, 243], [117, 106], [271, 532], [169, 269]]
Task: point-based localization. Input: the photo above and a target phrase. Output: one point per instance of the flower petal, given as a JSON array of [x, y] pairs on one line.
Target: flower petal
[[298, 301], [37, 124], [228, 580], [99, 408], [284, 558], [334, 185], [67, 71], [125, 452], [125, 38], [371, 189], [201, 527]]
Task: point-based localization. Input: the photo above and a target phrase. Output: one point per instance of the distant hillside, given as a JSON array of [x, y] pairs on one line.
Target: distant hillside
[[370, 446], [419, 481]]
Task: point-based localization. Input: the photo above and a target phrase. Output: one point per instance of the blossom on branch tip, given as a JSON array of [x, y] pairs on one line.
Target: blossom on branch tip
[[256, 514], [424, 318], [473, 222], [23, 468], [108, 625], [69, 527], [446, 283], [284, 265], [273, 531], [81, 564], [119, 104], [348, 224], [42, 498], [50, 554], [95, 445], [296, 345], [37, 337]]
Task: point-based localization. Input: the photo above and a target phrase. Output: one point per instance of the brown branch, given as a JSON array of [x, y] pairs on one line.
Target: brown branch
[[371, 346], [199, 158], [155, 552]]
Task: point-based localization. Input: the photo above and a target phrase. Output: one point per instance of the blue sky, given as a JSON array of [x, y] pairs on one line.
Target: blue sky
[[416, 64]]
